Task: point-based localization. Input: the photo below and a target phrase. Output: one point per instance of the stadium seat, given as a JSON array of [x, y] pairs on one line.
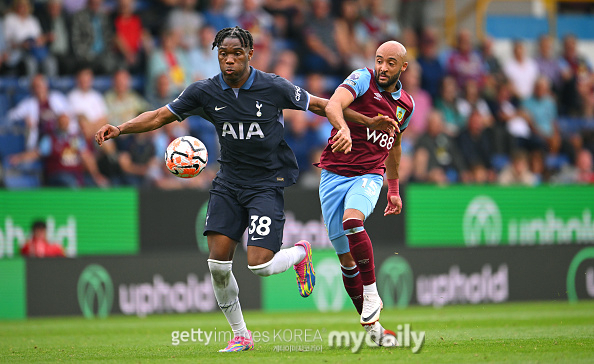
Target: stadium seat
[[24, 176], [11, 143], [499, 161], [556, 161]]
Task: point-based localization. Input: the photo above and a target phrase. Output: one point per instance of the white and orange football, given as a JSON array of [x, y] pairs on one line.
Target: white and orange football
[[186, 157]]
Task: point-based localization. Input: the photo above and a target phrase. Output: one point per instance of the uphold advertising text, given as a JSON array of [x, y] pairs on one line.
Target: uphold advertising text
[[494, 215]]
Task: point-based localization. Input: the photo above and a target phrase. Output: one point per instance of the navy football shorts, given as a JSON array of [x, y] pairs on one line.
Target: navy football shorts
[[233, 208]]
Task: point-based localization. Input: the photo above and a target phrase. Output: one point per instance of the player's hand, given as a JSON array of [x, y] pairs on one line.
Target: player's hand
[[342, 141], [106, 132], [383, 122], [394, 205]]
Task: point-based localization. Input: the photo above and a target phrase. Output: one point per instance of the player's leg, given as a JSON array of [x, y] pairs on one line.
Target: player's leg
[[265, 235], [224, 226], [333, 189], [359, 204]]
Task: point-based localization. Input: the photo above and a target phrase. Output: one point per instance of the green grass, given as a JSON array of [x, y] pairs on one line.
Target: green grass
[[512, 333]]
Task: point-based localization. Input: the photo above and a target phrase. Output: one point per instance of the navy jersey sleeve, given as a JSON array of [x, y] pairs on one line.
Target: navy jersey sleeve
[[289, 96], [187, 103]]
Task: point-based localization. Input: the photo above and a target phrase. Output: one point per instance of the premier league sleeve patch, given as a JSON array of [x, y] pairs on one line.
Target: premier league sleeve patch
[[354, 76], [350, 82]]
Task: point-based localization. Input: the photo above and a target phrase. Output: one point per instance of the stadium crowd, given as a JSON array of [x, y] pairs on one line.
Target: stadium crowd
[[528, 119]]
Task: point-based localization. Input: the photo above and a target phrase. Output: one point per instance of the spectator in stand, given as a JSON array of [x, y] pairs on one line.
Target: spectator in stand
[[472, 100], [315, 83], [138, 158], [521, 71], [582, 172], [26, 43], [74, 6], [432, 71], [541, 112], [354, 44], [320, 38], [65, 157], [475, 143], [3, 46], [379, 26], [38, 246], [187, 21], [447, 105], [288, 18], [259, 23], [92, 38], [464, 63], [133, 42], [548, 64], [491, 63], [437, 158], [216, 16], [88, 105], [204, 61], [170, 59], [122, 102], [508, 123], [55, 25], [163, 93], [412, 14], [575, 71], [518, 171], [411, 82], [40, 110]]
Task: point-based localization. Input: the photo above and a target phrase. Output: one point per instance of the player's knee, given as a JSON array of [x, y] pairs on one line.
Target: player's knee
[[352, 226], [220, 272], [262, 270]]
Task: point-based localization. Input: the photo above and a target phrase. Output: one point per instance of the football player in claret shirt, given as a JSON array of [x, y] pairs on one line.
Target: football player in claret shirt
[[245, 105], [351, 182]]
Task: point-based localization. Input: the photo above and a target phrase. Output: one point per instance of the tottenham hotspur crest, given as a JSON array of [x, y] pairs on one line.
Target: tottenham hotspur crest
[[400, 114], [259, 106]]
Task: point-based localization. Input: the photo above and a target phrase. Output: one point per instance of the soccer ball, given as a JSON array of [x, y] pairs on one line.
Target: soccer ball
[[388, 339], [186, 157]]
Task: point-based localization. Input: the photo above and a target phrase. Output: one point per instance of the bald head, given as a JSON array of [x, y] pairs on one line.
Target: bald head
[[392, 48], [389, 64]]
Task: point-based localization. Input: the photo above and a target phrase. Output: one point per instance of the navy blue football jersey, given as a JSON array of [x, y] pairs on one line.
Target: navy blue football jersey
[[250, 125]]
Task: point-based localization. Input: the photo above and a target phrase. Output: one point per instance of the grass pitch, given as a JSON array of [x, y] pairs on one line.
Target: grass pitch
[[513, 333]]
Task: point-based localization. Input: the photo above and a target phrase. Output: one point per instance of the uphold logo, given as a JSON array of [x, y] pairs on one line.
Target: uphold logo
[[396, 282], [482, 221], [582, 256], [330, 294], [95, 292]]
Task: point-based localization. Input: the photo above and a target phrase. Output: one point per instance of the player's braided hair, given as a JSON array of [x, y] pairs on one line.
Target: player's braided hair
[[244, 36]]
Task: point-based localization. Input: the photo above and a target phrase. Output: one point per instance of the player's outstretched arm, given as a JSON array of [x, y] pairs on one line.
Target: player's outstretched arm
[[144, 122], [394, 206]]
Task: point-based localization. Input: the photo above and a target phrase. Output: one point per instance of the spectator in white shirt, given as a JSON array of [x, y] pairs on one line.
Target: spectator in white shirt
[[522, 71], [88, 105]]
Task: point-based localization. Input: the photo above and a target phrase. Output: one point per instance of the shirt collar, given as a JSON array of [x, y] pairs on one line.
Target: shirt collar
[[395, 94], [248, 83]]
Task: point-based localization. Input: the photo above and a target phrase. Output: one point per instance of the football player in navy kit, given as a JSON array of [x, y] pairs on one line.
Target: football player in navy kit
[[245, 105]]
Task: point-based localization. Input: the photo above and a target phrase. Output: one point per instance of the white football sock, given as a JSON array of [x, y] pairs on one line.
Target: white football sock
[[227, 293], [281, 261], [370, 289]]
